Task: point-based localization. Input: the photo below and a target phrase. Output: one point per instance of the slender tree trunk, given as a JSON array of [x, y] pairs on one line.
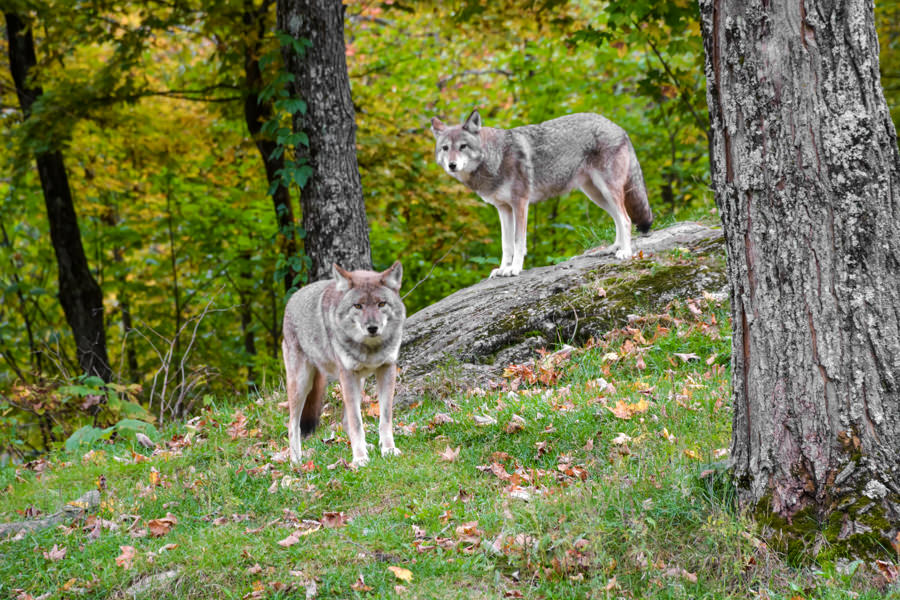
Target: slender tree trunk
[[807, 179], [334, 215], [256, 113], [245, 289], [79, 294]]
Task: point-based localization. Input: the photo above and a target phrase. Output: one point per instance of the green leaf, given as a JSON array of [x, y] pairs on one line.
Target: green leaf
[[87, 435], [129, 427]]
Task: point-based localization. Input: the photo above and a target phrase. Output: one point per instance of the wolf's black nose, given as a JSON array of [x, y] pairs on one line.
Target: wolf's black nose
[[452, 166], [372, 329]]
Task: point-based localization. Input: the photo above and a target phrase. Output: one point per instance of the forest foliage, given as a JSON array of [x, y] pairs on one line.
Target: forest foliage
[[146, 100]]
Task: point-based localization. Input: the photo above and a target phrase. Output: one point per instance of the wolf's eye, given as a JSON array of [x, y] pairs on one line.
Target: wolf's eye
[[445, 148], [382, 304], [357, 306], [463, 146]]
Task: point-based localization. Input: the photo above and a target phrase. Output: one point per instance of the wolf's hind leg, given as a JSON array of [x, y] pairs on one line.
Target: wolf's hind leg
[[599, 192], [299, 375]]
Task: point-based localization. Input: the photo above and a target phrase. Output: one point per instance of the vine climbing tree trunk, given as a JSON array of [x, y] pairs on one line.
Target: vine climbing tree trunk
[[806, 174], [79, 293], [256, 21], [334, 214]]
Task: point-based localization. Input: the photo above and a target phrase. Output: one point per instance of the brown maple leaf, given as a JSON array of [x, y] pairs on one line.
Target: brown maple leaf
[[160, 527], [125, 559], [450, 454], [55, 553]]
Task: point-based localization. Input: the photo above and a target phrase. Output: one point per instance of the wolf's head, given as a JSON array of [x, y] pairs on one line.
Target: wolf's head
[[457, 148], [370, 310]]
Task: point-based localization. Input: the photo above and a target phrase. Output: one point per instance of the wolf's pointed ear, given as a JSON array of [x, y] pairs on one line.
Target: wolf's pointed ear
[[437, 126], [393, 277], [343, 278], [473, 122]]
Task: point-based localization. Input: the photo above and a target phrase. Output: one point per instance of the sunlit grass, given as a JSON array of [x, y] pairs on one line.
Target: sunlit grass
[[573, 502]]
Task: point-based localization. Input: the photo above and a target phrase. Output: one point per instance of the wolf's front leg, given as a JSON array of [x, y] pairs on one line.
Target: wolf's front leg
[[521, 247], [507, 240], [386, 378], [352, 393]]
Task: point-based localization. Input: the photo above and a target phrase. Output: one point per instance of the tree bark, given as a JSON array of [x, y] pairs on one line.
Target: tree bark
[[334, 214], [256, 113], [79, 294], [806, 174]]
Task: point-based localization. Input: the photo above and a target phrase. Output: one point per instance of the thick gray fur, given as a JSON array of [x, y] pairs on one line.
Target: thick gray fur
[[512, 168], [346, 328]]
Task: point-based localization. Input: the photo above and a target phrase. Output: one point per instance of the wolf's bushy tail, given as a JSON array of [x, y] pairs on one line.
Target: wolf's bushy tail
[[636, 203], [312, 408]]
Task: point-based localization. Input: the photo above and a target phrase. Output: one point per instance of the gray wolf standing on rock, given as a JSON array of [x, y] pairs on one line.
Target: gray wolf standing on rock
[[345, 328], [512, 168]]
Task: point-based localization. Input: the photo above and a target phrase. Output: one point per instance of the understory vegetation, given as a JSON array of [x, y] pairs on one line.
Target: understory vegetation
[[586, 472]]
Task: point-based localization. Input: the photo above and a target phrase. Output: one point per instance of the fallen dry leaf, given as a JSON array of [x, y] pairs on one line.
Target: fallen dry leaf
[[484, 420], [623, 410], [889, 571], [469, 533], [401, 573], [238, 427], [144, 441], [291, 539], [360, 585], [516, 424], [441, 419], [256, 568], [160, 527], [691, 454], [333, 520], [450, 454], [55, 553], [125, 559], [621, 439]]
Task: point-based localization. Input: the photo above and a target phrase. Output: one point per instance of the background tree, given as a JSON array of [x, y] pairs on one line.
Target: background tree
[[806, 173], [79, 294], [334, 214]]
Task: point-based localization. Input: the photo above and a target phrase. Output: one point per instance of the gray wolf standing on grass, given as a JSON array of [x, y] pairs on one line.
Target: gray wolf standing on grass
[[512, 168], [345, 328]]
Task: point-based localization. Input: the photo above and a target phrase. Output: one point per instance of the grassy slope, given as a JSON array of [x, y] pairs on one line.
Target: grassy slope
[[642, 523]]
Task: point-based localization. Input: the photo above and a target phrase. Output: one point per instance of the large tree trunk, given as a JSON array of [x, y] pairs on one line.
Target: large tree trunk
[[79, 294], [334, 215], [807, 179], [256, 113]]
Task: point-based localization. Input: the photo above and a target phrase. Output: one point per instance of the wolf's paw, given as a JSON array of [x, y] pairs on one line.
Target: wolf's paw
[[361, 461], [623, 254], [391, 451], [504, 272]]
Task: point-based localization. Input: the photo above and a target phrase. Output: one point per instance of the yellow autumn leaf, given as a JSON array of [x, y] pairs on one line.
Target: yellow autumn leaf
[[401, 573], [624, 410]]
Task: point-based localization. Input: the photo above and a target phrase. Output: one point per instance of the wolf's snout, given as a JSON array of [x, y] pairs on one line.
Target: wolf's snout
[[452, 166], [372, 329]]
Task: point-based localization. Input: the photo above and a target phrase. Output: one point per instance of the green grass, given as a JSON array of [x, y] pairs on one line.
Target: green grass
[[651, 517]]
